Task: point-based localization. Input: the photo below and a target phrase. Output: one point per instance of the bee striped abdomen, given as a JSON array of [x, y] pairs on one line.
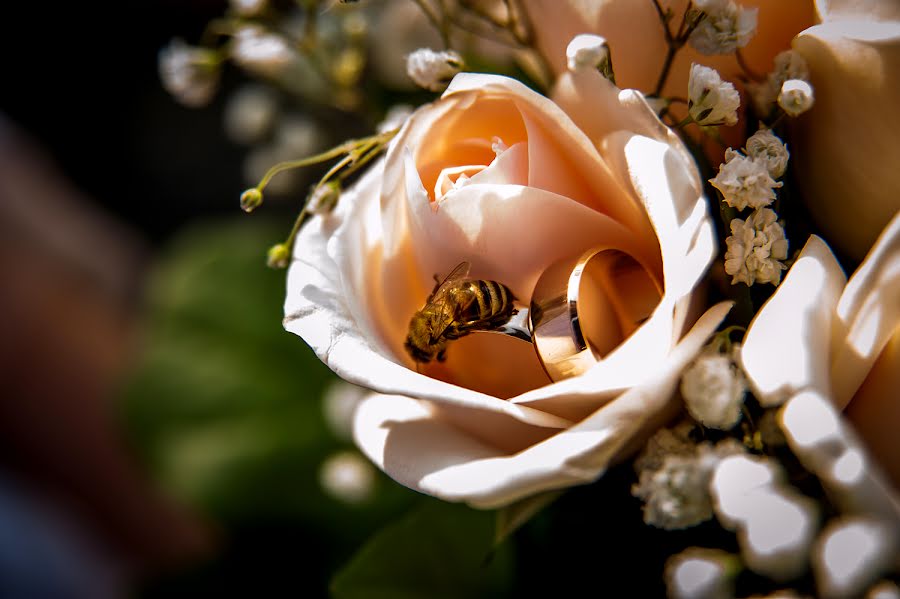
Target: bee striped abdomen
[[490, 301]]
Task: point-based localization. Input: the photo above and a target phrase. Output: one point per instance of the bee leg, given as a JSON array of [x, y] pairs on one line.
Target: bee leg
[[442, 355]]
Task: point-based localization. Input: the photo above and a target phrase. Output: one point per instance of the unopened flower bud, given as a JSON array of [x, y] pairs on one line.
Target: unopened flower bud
[[711, 101], [433, 70], [587, 51], [251, 199], [279, 255], [796, 97], [323, 198]]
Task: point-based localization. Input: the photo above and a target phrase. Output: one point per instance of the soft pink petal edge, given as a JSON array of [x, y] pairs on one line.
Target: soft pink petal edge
[[404, 438]]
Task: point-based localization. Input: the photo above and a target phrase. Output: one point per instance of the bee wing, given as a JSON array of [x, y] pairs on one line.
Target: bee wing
[[457, 274]]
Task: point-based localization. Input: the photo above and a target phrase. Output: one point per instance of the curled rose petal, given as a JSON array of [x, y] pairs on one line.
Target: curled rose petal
[[510, 181]]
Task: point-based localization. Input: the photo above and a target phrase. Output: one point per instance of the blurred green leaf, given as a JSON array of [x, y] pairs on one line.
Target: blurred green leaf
[[225, 406], [438, 551]]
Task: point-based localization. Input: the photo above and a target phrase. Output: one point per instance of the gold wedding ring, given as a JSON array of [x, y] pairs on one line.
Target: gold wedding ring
[[568, 341]]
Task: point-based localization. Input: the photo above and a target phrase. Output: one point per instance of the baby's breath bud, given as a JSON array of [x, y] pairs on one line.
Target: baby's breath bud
[[796, 97], [189, 73], [279, 255], [755, 249], [713, 390], [745, 181], [725, 28], [587, 51], [765, 145], [787, 65], [251, 199], [261, 51], [711, 101], [433, 70], [323, 198], [699, 573]]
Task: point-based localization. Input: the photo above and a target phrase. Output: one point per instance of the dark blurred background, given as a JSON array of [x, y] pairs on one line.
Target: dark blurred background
[[160, 434]]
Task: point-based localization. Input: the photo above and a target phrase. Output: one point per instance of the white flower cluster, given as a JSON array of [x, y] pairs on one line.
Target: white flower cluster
[[189, 73], [711, 101], [756, 245], [433, 70], [724, 28], [673, 479], [787, 86], [756, 248], [713, 390]]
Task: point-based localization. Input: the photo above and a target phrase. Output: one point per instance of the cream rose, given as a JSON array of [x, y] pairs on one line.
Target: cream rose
[[846, 147], [511, 181], [822, 333]]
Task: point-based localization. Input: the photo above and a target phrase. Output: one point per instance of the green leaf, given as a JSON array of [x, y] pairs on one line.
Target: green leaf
[[438, 551]]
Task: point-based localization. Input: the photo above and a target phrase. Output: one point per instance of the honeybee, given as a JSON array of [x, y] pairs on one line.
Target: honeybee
[[456, 307]]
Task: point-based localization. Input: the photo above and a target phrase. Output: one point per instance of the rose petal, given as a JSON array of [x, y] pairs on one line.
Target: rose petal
[[853, 69], [320, 309], [428, 454], [783, 351], [868, 314]]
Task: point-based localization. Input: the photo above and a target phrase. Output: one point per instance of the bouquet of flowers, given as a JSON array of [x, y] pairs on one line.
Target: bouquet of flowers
[[599, 237]]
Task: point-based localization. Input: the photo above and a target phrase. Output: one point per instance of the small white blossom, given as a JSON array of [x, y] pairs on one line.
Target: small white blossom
[[725, 28], [700, 573], [711, 101], [851, 554], [745, 181], [248, 8], [777, 532], [676, 493], [766, 145], [663, 443], [348, 476], [189, 73], [796, 97], [250, 114], [433, 70], [339, 405], [787, 65], [755, 249], [261, 51], [588, 51], [713, 391], [884, 590]]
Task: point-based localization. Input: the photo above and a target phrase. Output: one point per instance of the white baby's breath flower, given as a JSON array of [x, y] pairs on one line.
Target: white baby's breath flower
[[250, 114], [851, 554], [787, 65], [796, 97], [247, 8], [347, 476], [676, 493], [745, 181], [711, 101], [189, 73], [433, 70], [777, 532], [755, 249], [725, 28], [885, 589], [700, 573], [766, 145], [713, 390], [663, 443], [261, 51]]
